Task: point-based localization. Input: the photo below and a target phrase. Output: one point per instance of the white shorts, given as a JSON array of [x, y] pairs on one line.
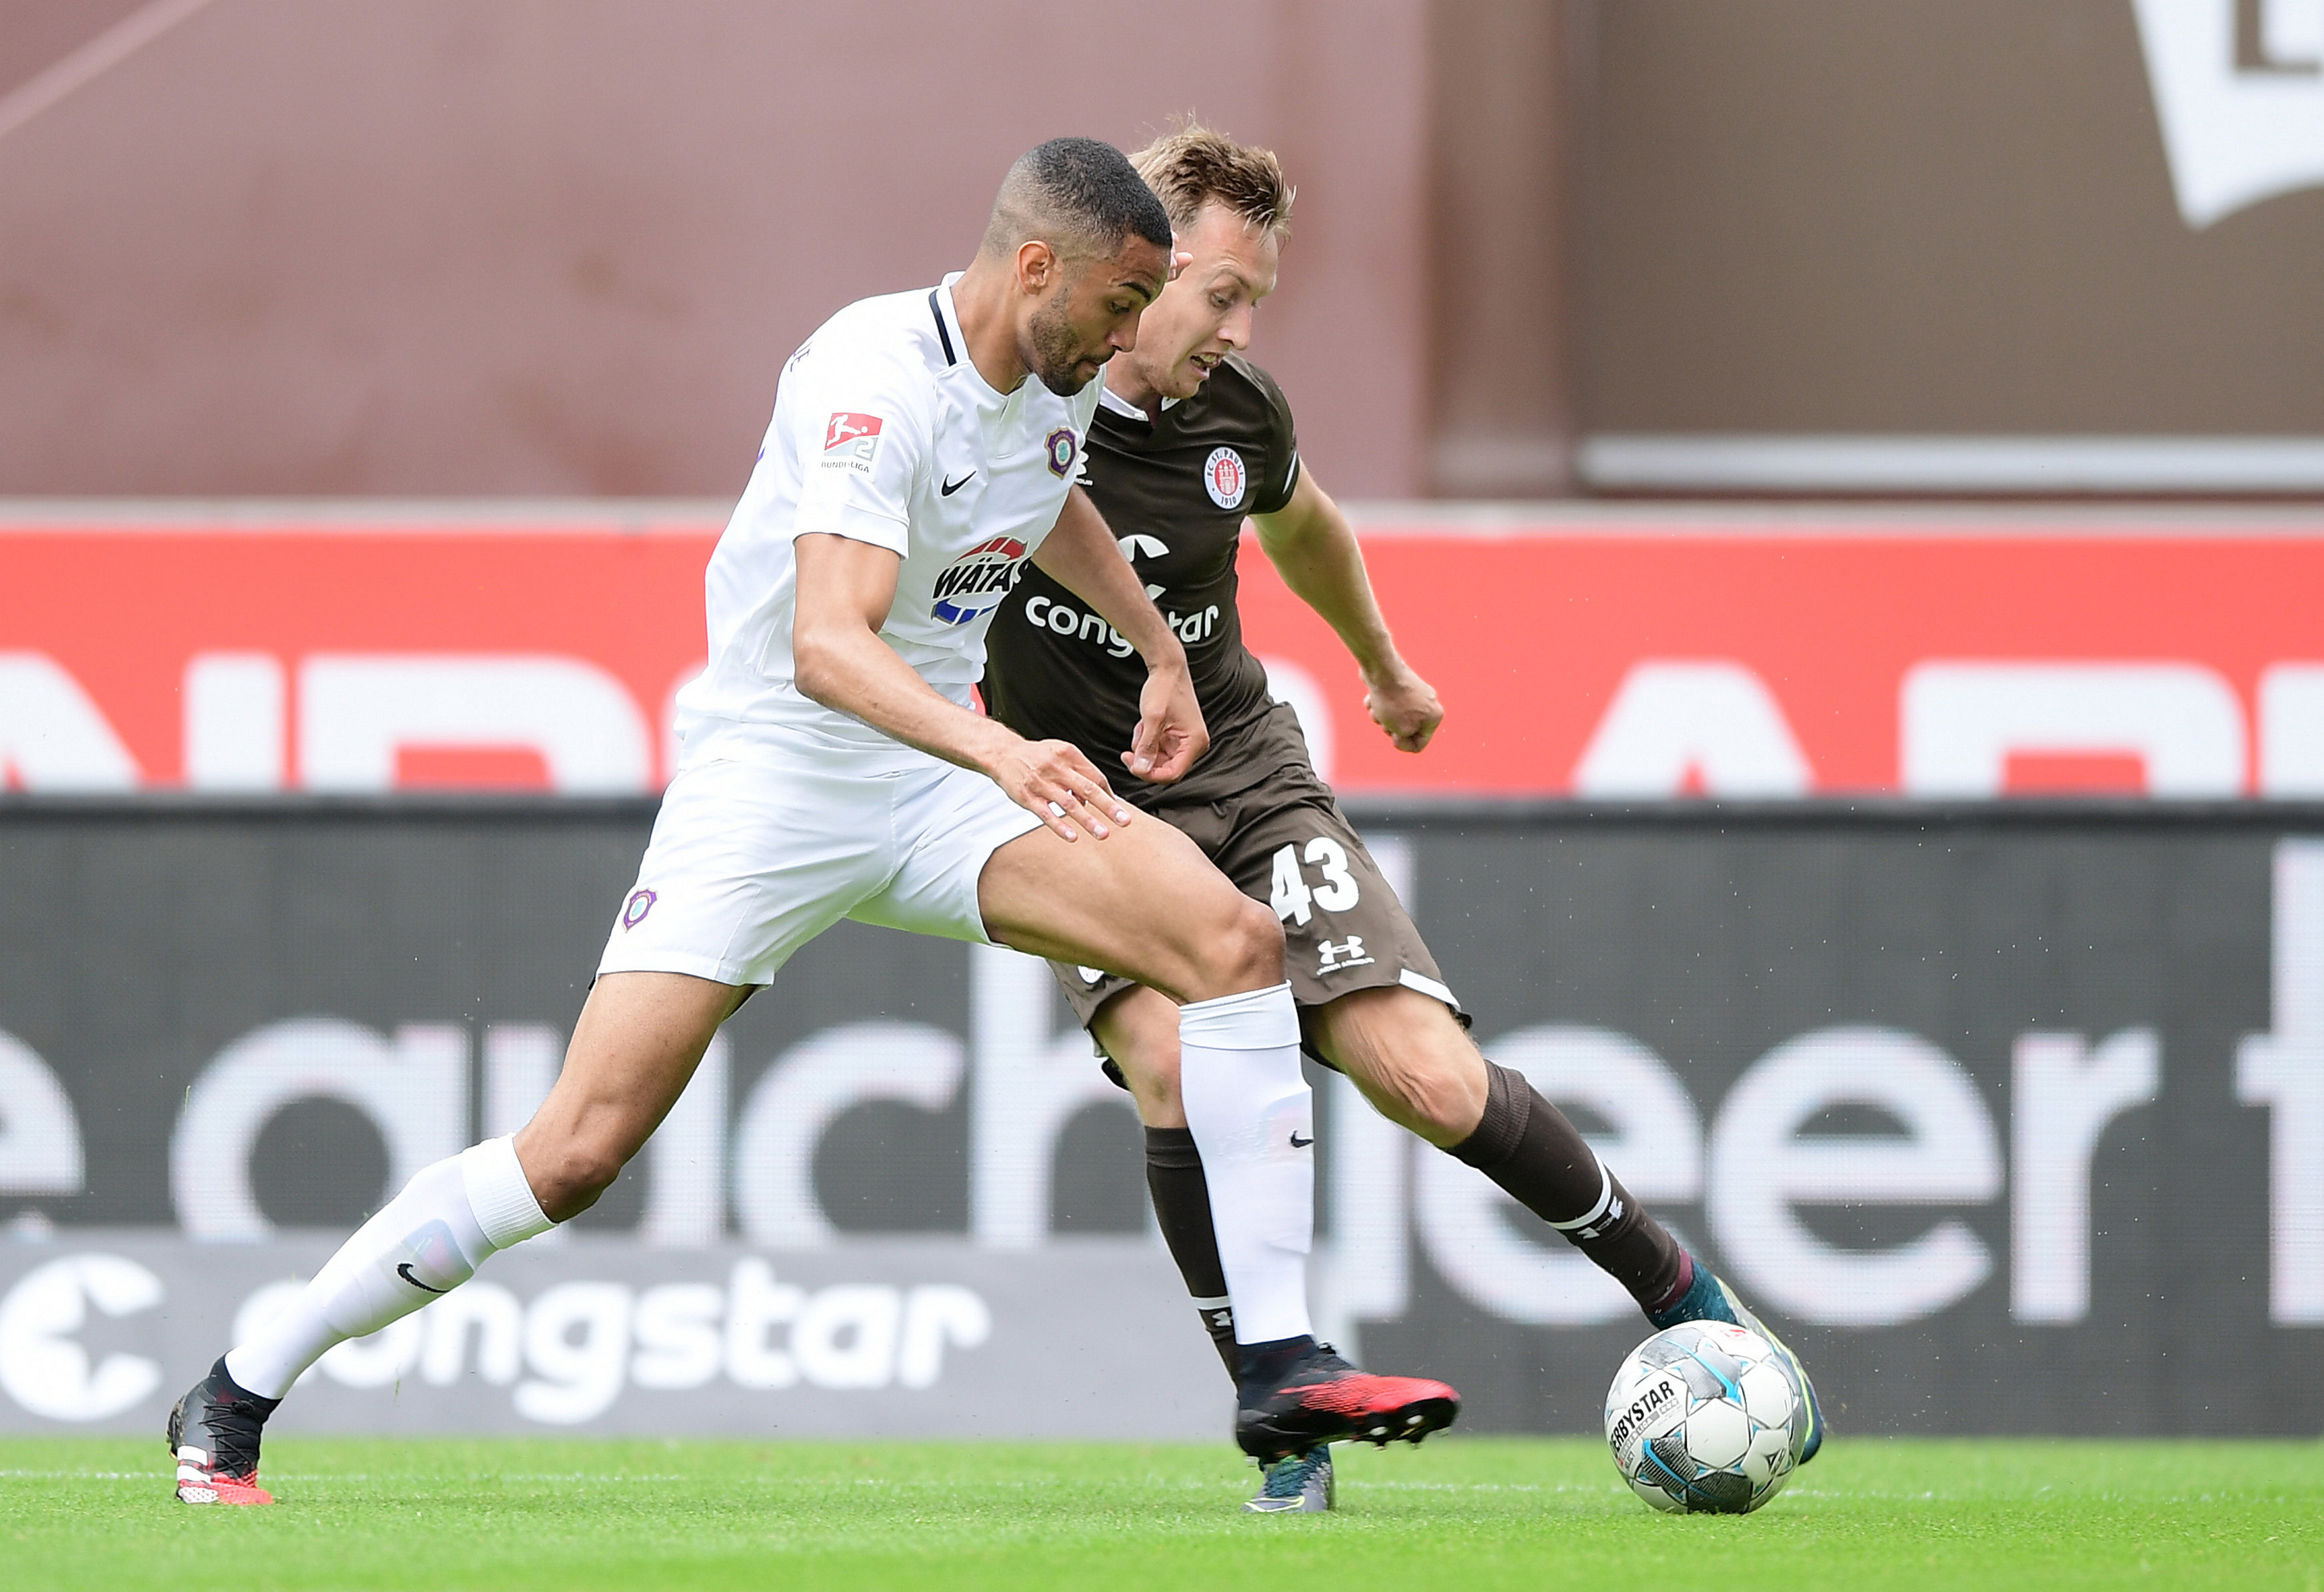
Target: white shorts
[[748, 863]]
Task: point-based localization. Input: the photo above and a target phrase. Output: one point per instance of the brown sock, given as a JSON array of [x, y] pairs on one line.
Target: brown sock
[[1527, 1145], [1182, 1203]]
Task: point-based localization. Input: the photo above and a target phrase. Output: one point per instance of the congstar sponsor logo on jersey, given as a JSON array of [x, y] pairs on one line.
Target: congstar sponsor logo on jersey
[[977, 580]]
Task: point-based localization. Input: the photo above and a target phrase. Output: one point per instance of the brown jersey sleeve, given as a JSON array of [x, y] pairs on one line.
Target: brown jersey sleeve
[[1274, 491]]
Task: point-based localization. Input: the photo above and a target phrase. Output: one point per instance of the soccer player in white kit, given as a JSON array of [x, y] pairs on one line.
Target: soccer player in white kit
[[923, 445]]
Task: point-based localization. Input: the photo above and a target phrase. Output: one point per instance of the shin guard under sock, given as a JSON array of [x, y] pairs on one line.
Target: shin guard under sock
[[1251, 1113], [425, 1242], [1182, 1204], [1527, 1146]]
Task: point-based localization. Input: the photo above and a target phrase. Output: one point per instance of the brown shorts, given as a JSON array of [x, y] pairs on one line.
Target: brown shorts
[[1284, 842]]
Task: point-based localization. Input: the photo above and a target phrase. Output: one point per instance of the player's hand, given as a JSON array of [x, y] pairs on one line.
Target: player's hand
[[1405, 706], [1054, 781], [1170, 733]]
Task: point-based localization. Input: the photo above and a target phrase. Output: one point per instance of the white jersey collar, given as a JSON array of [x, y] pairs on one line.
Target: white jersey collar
[[949, 337], [954, 344], [1107, 399]]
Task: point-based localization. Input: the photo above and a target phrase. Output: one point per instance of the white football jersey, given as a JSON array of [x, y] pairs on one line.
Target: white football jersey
[[884, 432]]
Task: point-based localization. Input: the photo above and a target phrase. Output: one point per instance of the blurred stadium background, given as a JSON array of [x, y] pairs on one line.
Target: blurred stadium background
[[1853, 471]]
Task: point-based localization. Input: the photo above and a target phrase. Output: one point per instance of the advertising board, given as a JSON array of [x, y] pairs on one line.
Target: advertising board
[[1609, 656], [2012, 1118]]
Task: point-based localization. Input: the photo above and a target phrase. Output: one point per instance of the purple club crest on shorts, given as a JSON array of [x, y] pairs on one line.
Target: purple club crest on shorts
[[634, 911]]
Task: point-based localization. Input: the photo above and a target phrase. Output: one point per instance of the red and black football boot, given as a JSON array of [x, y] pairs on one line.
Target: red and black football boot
[[1322, 1399], [213, 1436]]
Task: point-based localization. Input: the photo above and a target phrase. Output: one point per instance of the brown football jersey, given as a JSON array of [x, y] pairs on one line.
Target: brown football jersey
[[1175, 493]]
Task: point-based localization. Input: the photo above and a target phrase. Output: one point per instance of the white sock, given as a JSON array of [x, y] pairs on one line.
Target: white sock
[[426, 1241], [1253, 1118]]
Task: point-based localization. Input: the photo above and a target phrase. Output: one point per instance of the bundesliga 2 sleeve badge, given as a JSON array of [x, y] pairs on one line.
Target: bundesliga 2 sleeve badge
[[851, 442]]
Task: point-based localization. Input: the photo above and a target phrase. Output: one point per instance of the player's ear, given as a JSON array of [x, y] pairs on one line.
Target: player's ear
[[1036, 266]]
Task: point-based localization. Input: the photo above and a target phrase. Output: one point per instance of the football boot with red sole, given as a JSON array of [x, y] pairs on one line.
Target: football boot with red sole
[[214, 1434], [1323, 1399]]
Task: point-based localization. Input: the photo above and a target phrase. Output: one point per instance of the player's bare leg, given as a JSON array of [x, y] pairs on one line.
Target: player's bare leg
[[1403, 1050], [1139, 1029], [640, 1037], [1143, 898], [634, 1049], [1410, 1058], [1146, 901]]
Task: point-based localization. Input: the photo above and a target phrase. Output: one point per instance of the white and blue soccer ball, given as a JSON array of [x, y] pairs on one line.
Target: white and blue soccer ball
[[1705, 1418]]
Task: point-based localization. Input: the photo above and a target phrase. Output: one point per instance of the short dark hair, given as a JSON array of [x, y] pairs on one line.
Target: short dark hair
[[1079, 195]]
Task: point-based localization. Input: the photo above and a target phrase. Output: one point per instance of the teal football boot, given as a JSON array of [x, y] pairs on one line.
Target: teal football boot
[[1296, 1483], [1707, 1298]]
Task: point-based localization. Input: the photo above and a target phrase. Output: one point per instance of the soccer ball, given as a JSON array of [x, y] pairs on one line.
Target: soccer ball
[[1705, 1417]]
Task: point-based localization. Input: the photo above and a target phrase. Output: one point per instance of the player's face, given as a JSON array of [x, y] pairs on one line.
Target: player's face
[[1205, 313], [1091, 313]]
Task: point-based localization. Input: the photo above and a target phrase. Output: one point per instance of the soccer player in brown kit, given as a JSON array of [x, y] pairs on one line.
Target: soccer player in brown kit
[[1189, 437]]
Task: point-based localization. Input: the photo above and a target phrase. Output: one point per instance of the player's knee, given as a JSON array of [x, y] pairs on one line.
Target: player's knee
[[574, 1175], [1155, 1091], [1248, 950], [1149, 1065], [1436, 1103], [1139, 1029], [1230, 944], [1423, 1076], [1420, 1104]]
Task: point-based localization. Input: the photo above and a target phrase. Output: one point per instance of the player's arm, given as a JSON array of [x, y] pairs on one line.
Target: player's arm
[[1311, 545], [844, 590], [1081, 556]]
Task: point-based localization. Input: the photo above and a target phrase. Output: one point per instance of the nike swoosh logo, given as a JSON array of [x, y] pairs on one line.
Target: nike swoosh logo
[[404, 1271], [1297, 1144], [952, 487]]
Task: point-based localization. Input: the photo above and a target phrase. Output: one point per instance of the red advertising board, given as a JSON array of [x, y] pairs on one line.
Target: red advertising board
[[385, 649]]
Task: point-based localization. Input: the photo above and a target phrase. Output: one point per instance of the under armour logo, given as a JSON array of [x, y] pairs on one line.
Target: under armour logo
[[1349, 953], [1605, 1225]]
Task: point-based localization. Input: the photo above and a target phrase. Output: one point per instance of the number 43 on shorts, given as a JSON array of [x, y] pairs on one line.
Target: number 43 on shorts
[[1289, 893]]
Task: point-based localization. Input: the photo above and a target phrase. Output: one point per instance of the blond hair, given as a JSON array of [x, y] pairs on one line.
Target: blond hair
[[1194, 165]]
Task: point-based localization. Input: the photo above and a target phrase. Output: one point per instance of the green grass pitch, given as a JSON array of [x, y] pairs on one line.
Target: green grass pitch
[[1469, 1513]]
